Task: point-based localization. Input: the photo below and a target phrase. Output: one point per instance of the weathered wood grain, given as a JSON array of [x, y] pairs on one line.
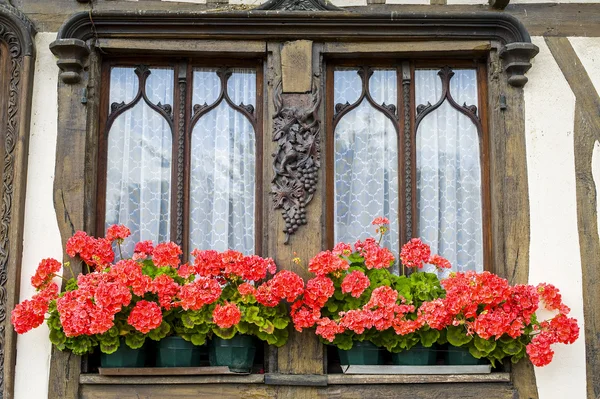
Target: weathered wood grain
[[16, 196], [74, 194], [95, 379], [303, 354], [587, 132], [509, 195], [413, 391]]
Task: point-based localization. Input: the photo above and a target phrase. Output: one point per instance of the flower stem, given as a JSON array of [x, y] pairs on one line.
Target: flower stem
[[120, 252]]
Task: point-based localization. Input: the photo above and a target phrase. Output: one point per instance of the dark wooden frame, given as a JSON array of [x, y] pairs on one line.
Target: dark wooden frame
[[187, 114], [506, 45], [407, 227]]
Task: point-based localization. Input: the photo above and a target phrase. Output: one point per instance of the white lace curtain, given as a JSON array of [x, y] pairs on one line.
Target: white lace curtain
[[366, 159], [449, 172], [138, 187], [223, 175]]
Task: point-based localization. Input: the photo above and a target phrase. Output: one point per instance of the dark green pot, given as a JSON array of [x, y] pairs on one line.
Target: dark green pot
[[177, 352], [460, 356], [124, 357], [418, 355], [236, 353], [362, 353]]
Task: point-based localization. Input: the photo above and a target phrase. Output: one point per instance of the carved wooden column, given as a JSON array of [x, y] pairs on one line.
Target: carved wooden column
[[17, 56], [295, 215]]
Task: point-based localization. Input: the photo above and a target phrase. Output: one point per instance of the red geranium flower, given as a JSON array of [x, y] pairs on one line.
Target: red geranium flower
[[145, 316], [46, 270], [167, 254], [227, 316], [355, 283], [414, 253], [142, 250], [166, 288], [326, 262], [117, 232], [195, 295], [328, 329]]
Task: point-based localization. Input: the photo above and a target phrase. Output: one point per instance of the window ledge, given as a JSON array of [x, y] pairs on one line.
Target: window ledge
[[96, 379], [332, 379], [364, 379]]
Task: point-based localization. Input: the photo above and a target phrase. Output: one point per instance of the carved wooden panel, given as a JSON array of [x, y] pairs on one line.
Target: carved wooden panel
[[16, 37], [297, 160]]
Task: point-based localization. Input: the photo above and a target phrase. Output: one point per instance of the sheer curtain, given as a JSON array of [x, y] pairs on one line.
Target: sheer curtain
[[449, 172], [138, 187], [366, 159], [223, 175]]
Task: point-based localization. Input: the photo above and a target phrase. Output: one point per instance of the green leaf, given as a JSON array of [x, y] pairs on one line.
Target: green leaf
[[483, 345], [160, 332], [457, 336], [332, 306], [280, 323], [428, 336], [135, 340], [512, 348], [198, 339], [252, 314], [57, 337], [224, 333], [477, 354], [268, 327]]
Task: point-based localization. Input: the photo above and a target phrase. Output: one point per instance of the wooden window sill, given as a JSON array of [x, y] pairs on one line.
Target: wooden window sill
[[294, 380]]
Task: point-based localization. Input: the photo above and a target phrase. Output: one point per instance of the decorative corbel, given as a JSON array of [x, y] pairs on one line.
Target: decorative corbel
[[517, 60], [72, 54]]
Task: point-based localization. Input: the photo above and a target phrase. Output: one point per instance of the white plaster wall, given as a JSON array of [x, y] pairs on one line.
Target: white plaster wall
[[588, 51], [554, 248], [41, 235]]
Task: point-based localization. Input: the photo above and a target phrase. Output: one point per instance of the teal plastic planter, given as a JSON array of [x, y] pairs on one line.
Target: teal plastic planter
[[418, 355], [460, 356], [236, 353], [124, 357], [361, 354], [177, 352]]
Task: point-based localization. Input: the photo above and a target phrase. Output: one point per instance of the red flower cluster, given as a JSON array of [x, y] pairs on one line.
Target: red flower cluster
[[328, 328], [166, 288], [207, 263], [142, 250], [414, 253], [303, 315], [129, 273], [195, 295], [284, 285], [327, 262], [46, 270], [246, 289], [439, 262], [376, 256], [79, 315], [342, 249], [380, 221], [30, 313], [167, 254], [227, 316], [355, 283], [96, 252], [117, 232], [145, 316], [552, 298]]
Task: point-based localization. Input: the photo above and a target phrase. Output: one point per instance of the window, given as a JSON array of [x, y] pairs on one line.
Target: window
[[178, 158], [408, 142]]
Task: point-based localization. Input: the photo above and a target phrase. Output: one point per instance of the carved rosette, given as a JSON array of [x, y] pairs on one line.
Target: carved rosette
[[297, 161]]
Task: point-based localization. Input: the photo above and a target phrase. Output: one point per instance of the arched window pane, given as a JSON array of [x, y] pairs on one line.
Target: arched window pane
[[366, 165], [449, 199], [138, 186], [223, 175]]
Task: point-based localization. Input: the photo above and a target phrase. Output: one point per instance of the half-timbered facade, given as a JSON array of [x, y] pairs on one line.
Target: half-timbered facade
[[183, 120]]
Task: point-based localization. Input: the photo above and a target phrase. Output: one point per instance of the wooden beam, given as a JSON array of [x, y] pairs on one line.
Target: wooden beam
[[510, 213], [587, 132]]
